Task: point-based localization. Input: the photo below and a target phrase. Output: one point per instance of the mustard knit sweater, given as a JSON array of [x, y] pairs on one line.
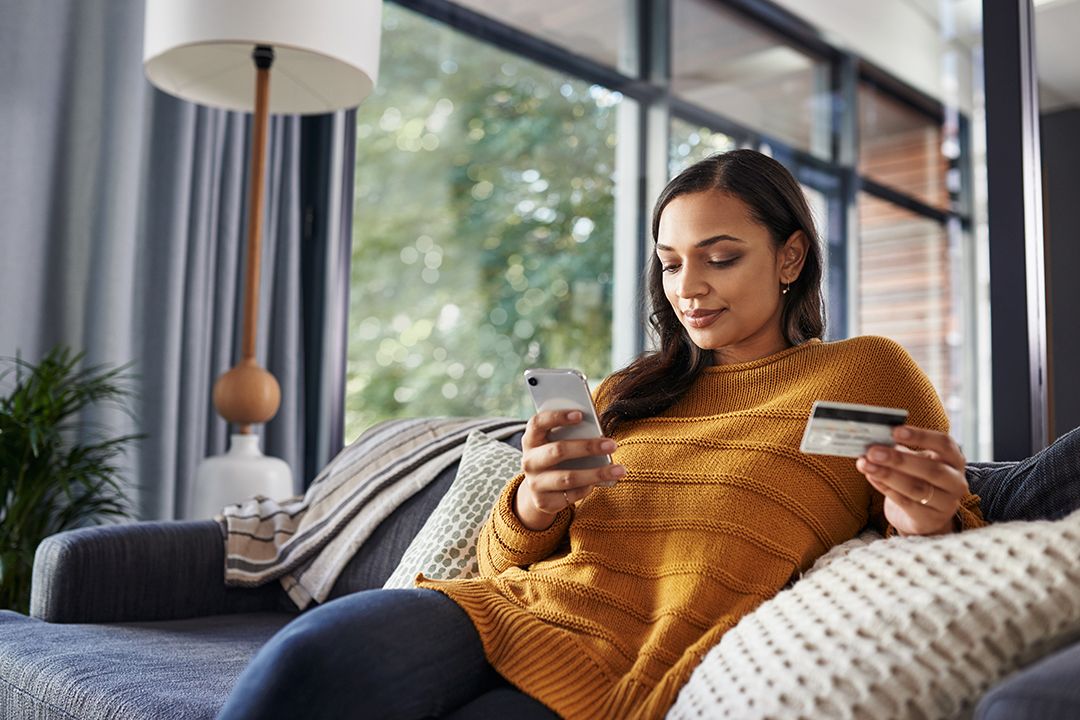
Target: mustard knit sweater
[[606, 613]]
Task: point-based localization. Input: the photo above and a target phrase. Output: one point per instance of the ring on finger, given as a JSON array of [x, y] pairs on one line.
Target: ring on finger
[[924, 501], [567, 499]]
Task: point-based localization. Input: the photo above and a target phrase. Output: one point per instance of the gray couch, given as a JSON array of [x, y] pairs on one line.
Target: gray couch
[[133, 621]]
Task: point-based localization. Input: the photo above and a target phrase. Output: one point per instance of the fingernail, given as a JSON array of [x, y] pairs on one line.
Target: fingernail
[[616, 471], [902, 433], [607, 446], [573, 415], [878, 454], [869, 467]]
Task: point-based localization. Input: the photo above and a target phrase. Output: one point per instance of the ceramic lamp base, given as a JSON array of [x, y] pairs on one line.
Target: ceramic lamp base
[[239, 474]]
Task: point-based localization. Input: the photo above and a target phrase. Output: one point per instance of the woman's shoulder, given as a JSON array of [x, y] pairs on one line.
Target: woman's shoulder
[[873, 358], [874, 348], [879, 371]]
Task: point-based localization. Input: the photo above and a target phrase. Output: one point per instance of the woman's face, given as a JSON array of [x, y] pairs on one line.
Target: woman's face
[[723, 275]]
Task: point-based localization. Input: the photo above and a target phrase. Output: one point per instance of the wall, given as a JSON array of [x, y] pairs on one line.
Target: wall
[[1061, 185]]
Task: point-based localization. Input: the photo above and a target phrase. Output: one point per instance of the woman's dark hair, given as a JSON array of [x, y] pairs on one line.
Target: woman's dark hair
[[656, 380]]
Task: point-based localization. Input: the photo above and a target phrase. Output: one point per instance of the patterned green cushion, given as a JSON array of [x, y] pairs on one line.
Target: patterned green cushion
[[445, 547]]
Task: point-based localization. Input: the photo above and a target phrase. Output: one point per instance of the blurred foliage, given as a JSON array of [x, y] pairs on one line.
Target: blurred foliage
[[483, 228], [691, 143]]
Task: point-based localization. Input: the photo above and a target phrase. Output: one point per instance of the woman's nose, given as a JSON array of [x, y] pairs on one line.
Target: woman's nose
[[690, 284]]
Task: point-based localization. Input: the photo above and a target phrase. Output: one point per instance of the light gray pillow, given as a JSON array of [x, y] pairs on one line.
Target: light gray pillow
[[915, 627], [445, 547]]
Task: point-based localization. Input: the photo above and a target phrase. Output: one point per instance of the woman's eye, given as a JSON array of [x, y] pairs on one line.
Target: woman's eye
[[724, 263], [669, 268]]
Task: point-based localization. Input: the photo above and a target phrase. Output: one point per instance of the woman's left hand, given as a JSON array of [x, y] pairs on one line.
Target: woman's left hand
[[922, 489]]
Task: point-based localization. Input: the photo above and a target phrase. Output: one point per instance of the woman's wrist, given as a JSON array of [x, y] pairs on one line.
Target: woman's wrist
[[531, 516]]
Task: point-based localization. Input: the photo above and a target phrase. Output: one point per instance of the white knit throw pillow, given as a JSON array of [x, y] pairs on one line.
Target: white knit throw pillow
[[917, 627], [445, 547]]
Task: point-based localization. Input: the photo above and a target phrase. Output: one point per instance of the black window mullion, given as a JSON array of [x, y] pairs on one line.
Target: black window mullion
[[843, 210], [904, 200]]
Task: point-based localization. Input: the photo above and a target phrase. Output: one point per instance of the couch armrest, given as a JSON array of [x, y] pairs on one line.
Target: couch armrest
[[1045, 486], [140, 572], [1046, 690]]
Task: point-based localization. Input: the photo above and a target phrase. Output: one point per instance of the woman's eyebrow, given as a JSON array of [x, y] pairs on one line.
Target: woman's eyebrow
[[705, 243]]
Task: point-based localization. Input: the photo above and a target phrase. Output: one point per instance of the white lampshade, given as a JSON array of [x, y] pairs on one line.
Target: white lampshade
[[326, 52]]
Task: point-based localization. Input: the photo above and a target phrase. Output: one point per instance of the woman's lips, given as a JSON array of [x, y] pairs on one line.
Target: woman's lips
[[702, 318]]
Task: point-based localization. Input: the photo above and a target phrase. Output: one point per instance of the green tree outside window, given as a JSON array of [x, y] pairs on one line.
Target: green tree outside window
[[483, 228]]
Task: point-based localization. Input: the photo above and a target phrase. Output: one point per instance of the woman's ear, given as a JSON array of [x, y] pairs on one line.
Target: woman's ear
[[792, 256]]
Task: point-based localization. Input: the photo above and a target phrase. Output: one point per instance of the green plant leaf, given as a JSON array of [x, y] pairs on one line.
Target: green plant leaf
[[57, 469]]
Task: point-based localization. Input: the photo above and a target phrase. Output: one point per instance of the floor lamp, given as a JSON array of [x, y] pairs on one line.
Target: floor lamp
[[265, 56]]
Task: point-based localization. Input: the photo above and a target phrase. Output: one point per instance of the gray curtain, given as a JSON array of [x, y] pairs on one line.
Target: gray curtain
[[121, 228]]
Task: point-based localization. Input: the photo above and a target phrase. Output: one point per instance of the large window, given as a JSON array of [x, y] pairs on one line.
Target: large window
[[511, 154], [482, 227]]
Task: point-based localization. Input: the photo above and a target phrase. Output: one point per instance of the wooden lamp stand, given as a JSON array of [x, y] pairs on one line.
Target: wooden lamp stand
[[247, 394]]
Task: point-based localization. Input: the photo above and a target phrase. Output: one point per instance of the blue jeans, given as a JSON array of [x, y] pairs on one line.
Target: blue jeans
[[377, 654]]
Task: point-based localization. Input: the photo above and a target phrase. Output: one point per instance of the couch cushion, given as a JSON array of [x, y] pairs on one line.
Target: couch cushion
[[126, 671], [445, 548], [382, 551]]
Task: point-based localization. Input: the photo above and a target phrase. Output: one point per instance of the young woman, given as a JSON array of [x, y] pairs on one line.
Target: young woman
[[600, 601]]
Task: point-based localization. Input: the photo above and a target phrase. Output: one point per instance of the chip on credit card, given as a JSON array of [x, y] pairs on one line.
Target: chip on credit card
[[848, 429]]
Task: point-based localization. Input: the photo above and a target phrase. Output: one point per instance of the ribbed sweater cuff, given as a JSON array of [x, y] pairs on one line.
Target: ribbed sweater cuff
[[518, 544], [969, 514]]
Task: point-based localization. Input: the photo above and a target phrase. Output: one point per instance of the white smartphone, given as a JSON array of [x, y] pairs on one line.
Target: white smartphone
[[564, 389], [848, 429]]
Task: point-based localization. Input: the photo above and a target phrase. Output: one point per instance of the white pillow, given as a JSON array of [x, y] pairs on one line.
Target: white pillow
[[445, 547], [917, 627]]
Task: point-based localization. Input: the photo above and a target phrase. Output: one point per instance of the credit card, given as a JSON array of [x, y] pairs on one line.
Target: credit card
[[848, 429]]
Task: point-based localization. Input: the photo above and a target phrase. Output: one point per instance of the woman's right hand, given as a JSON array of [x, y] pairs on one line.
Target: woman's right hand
[[546, 489]]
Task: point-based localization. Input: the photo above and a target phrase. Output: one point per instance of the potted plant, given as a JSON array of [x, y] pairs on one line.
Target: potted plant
[[57, 470]]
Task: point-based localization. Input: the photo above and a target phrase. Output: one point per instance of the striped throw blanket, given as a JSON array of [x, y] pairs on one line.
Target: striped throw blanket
[[305, 542]]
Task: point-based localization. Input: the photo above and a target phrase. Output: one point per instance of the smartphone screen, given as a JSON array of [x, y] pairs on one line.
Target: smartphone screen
[[565, 389]]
